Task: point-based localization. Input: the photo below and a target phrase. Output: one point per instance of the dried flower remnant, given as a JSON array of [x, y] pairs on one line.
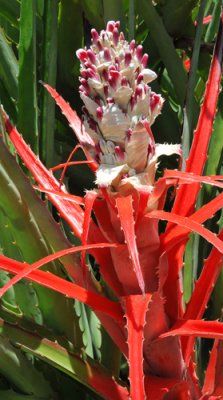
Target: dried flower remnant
[[119, 108]]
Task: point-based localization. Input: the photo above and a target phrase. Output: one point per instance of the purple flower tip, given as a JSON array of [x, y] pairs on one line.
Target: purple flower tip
[[139, 53], [94, 35], [99, 113]]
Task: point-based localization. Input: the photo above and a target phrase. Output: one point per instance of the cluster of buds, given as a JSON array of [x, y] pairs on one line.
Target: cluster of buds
[[119, 108]]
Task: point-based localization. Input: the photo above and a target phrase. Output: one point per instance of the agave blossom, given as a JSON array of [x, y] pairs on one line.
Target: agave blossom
[[119, 108]]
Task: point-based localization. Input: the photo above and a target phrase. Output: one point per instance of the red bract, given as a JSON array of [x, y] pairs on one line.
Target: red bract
[[142, 268]]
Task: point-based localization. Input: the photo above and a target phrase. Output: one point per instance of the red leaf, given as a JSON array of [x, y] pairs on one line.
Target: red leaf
[[135, 308], [186, 197], [29, 268], [213, 383], [72, 117], [157, 387], [125, 212], [185, 178], [205, 212], [69, 164], [206, 329], [47, 279], [74, 199], [202, 291], [71, 212], [188, 223]]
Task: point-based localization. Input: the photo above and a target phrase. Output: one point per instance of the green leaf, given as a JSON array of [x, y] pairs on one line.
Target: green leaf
[[69, 40], [27, 99], [165, 46], [11, 395], [20, 371], [86, 371], [93, 10], [8, 67], [48, 75], [114, 10], [176, 14], [213, 163], [214, 23], [10, 11], [131, 18]]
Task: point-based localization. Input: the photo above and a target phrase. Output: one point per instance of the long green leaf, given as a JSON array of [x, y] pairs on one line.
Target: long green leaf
[[8, 67], [176, 14], [10, 11], [165, 46], [85, 370], [20, 371], [27, 100], [48, 75], [113, 10]]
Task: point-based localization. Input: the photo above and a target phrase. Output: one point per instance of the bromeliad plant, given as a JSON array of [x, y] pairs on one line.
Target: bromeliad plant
[[139, 300]]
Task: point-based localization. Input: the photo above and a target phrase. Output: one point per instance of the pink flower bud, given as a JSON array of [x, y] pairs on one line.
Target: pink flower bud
[[144, 60], [84, 83], [139, 91], [154, 100], [110, 100], [140, 78], [82, 89], [82, 55], [115, 36], [107, 55], [99, 113], [89, 65], [110, 26], [91, 56], [113, 79], [90, 73], [132, 45], [94, 35], [84, 74], [139, 51], [115, 74], [128, 58]]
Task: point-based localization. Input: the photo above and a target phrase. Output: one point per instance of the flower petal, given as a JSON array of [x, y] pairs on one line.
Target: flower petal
[[108, 175], [114, 124], [137, 148]]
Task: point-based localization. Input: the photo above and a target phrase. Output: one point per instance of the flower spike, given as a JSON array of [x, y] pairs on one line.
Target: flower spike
[[118, 100]]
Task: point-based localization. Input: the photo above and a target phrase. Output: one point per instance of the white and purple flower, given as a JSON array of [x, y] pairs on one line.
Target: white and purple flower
[[119, 108]]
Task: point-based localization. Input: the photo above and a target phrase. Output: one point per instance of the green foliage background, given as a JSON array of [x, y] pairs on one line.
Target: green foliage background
[[38, 41]]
